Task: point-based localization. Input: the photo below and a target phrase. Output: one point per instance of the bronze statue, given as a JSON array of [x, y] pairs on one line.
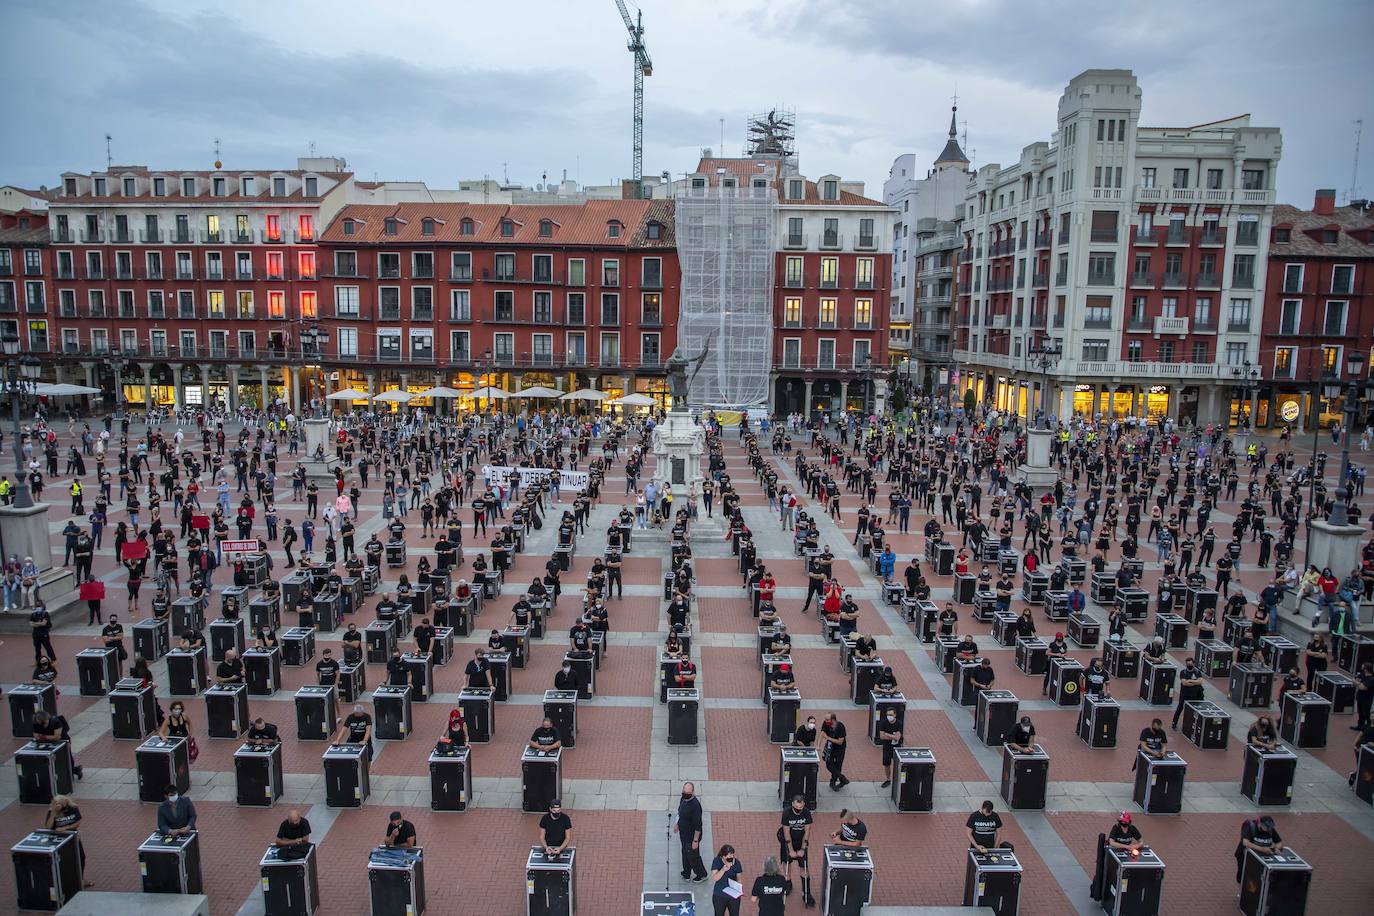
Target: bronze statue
[[676, 368]]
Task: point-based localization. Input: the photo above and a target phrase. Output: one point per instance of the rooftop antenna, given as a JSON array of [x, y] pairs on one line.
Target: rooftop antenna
[[312, 149], [109, 157], [1354, 191], [722, 136], [218, 163]]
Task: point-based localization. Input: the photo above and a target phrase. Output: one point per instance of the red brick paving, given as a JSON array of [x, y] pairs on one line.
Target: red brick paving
[[1199, 862]]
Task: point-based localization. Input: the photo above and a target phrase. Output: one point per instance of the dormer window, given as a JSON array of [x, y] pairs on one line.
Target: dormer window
[[1330, 236], [130, 188], [278, 187], [349, 227], [727, 182], [389, 227], [1283, 235], [613, 229], [794, 189], [100, 187], [507, 228], [159, 187], [312, 187], [188, 187], [465, 227], [219, 187], [426, 226], [654, 230], [248, 186], [546, 228], [69, 187], [830, 189]]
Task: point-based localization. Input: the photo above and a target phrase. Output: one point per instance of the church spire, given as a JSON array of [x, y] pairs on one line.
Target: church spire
[[952, 154]]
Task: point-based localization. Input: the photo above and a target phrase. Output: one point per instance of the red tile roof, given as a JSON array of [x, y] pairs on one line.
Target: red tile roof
[[1301, 222], [571, 224], [747, 169]]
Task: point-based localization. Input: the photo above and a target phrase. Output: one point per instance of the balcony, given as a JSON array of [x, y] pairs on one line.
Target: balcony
[[1061, 278], [95, 273], [1203, 196], [215, 275], [1175, 280], [121, 236], [180, 237], [273, 237], [92, 237], [457, 276], [1143, 280], [1213, 239], [63, 273], [1176, 237], [1177, 326], [1208, 280], [307, 237], [1248, 238], [209, 237], [1238, 325], [831, 240], [242, 237], [1043, 239], [1037, 320], [124, 273], [150, 236], [1000, 321], [62, 236], [866, 243], [243, 275], [1243, 281], [1140, 370], [185, 273], [1102, 235], [1204, 326], [1139, 325], [795, 241], [1101, 278], [1063, 236], [1098, 324]]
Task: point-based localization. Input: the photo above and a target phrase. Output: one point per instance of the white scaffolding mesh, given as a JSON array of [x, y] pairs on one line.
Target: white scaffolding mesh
[[725, 247]]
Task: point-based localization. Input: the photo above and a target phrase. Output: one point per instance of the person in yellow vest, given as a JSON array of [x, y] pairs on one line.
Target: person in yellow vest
[[6, 491], [77, 491]]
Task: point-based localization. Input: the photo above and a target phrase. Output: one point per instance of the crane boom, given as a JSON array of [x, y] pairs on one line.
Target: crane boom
[[643, 67]]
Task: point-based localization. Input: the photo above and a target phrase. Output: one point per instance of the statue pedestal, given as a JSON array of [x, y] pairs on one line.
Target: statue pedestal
[[316, 435], [1335, 546], [1240, 442], [678, 447], [1036, 472], [24, 533]]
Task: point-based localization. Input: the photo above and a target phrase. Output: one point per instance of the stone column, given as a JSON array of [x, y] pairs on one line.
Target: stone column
[[1115, 389], [264, 381], [147, 384], [844, 396], [806, 406], [292, 377], [371, 386], [204, 384], [178, 389]]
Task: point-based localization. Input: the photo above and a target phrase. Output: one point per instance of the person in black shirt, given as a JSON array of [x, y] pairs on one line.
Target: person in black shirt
[[1095, 679], [770, 890], [983, 676], [865, 648], [356, 729], [782, 678], [352, 644], [566, 678], [65, 817], [327, 669], [983, 826], [397, 674], [230, 671], [424, 636], [1021, 737], [555, 829], [545, 738], [852, 831], [293, 836], [263, 733], [478, 672], [1257, 834], [1154, 740], [890, 736], [399, 831], [112, 637], [688, 828], [40, 628], [1124, 834], [1262, 734], [794, 845], [805, 736], [1190, 682], [52, 727], [1057, 648], [836, 744]]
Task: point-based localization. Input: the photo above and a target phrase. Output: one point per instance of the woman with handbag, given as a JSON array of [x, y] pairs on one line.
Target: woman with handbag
[[178, 725]]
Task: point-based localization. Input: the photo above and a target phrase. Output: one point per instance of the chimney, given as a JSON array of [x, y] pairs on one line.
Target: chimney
[[1325, 204]]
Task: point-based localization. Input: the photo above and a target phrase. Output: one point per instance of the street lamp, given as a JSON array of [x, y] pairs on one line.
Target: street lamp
[[313, 340], [21, 372], [117, 364], [1042, 355], [1247, 378], [1354, 363]]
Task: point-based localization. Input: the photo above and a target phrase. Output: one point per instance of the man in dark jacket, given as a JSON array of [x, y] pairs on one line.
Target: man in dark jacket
[[688, 829], [176, 815]]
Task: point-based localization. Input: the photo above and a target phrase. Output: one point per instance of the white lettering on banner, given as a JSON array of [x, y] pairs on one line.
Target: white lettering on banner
[[239, 546], [569, 480]]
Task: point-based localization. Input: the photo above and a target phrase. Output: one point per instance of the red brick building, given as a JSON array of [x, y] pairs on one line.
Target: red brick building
[[1318, 319], [25, 269]]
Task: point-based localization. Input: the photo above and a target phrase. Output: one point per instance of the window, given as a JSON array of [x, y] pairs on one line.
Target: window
[[124, 299], [312, 187], [830, 189], [610, 273], [1239, 318], [863, 353], [466, 227], [654, 230], [347, 341], [1101, 269], [461, 266], [422, 265], [792, 312], [71, 340], [67, 303], [276, 266], [460, 346], [186, 304], [1095, 351], [33, 262], [188, 187], [34, 300], [1133, 351], [1147, 177], [244, 304], [273, 228], [1202, 312], [649, 353], [1333, 325], [159, 187], [38, 336], [346, 301], [610, 308], [830, 272], [1103, 226], [1285, 361], [610, 348], [1247, 231], [1252, 179], [1166, 351], [825, 353], [1343, 278], [278, 187], [503, 305], [794, 231], [828, 309], [543, 307], [1331, 359], [1214, 179], [460, 305], [577, 272], [426, 226], [1283, 234], [1243, 271], [276, 304], [507, 228], [1146, 227], [575, 348], [1180, 178], [388, 265], [1098, 312], [1290, 312], [248, 343], [546, 228], [791, 353], [389, 226], [1168, 307], [389, 303], [863, 314], [830, 235], [1200, 352], [1292, 278], [652, 269], [157, 307], [505, 267], [421, 303], [100, 340], [389, 344], [866, 233], [794, 189], [577, 308], [613, 229], [345, 264], [651, 309], [305, 263], [793, 274], [243, 269], [349, 227]]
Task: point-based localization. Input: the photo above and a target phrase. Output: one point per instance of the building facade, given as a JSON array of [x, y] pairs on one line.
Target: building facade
[[1136, 252], [1318, 320], [25, 272], [921, 325]]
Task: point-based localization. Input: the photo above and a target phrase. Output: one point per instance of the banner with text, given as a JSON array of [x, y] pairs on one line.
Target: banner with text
[[567, 480]]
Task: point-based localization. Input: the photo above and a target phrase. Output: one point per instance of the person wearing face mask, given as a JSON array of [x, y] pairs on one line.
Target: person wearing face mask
[[566, 678], [805, 735], [688, 830], [1123, 835], [1021, 737], [794, 843], [112, 637], [177, 724], [356, 729], [890, 736], [175, 815], [1057, 648], [1262, 734]]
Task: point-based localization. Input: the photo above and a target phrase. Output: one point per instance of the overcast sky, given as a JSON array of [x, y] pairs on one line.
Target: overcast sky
[[439, 90]]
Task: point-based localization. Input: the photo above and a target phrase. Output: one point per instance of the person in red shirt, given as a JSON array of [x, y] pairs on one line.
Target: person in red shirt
[[767, 586]]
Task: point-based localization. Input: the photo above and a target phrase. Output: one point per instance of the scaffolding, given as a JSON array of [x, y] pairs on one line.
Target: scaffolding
[[725, 247]]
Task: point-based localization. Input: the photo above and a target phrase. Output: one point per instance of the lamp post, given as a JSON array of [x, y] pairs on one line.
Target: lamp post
[[21, 372], [117, 364], [1246, 381], [1350, 404], [313, 339], [1042, 356]]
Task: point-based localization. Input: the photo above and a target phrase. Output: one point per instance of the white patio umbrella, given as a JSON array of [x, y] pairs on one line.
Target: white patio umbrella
[[394, 395], [348, 394], [635, 400], [439, 391], [585, 394], [491, 393], [60, 389], [539, 391]]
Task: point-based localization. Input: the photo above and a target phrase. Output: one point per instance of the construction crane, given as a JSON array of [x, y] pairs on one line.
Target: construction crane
[[643, 67]]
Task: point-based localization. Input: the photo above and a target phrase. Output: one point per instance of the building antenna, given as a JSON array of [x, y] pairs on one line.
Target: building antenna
[[505, 174], [217, 156], [722, 136], [1354, 191], [109, 157], [312, 149]]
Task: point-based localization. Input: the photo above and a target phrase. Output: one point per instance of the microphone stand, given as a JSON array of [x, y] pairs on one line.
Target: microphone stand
[[668, 852]]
